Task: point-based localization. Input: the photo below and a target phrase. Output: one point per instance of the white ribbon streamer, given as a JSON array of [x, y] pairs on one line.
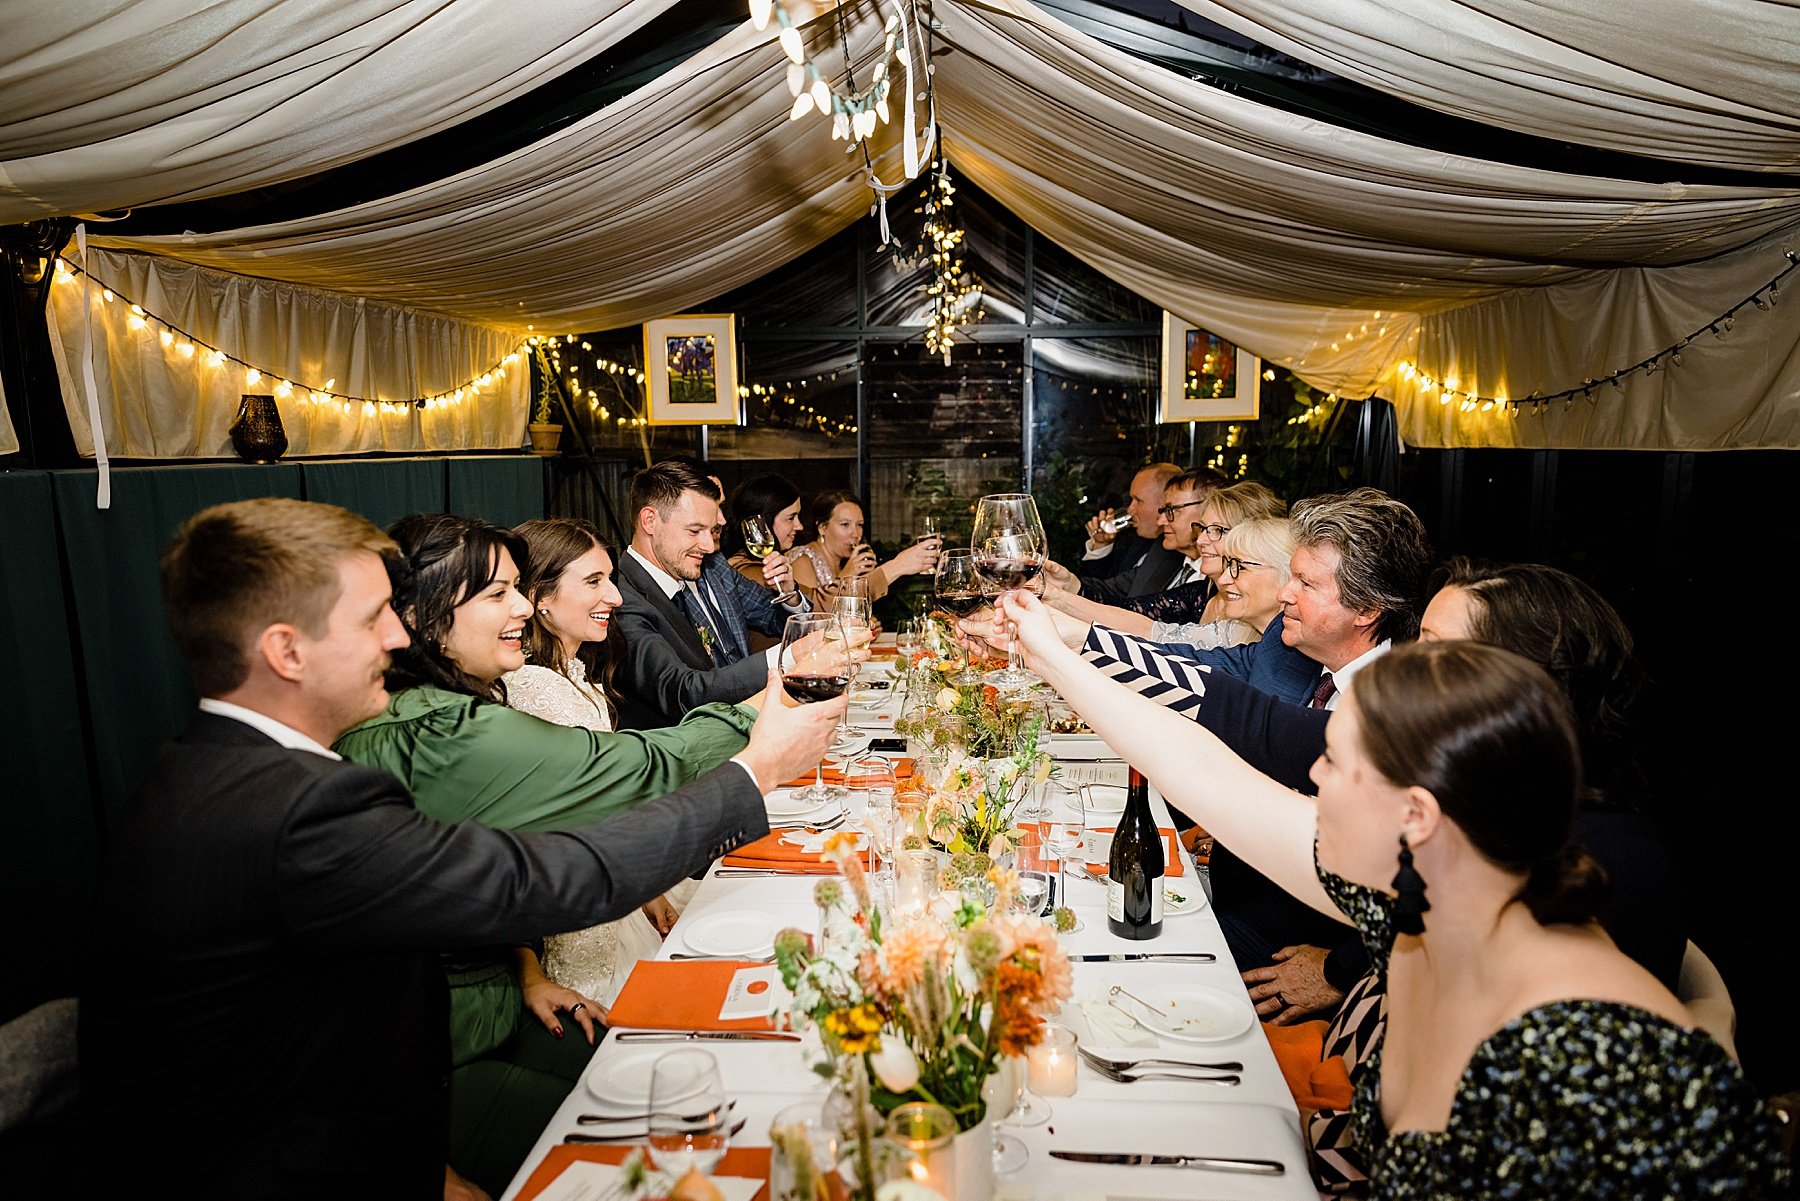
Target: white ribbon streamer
[[102, 463]]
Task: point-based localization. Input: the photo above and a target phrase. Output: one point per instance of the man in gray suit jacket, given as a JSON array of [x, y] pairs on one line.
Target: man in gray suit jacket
[[685, 609], [267, 1017]]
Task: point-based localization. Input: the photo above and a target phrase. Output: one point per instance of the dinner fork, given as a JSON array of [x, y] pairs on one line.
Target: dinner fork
[[1125, 1065], [1133, 1077], [636, 1136], [595, 1119]]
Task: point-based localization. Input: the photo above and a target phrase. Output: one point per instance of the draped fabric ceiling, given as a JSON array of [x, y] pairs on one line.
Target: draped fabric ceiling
[[1336, 253]]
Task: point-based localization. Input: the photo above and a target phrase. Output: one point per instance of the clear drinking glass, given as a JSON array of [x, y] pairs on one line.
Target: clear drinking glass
[[957, 588], [1001, 1093], [690, 1116], [870, 805], [856, 618], [760, 543], [812, 646], [804, 1150], [1009, 547]]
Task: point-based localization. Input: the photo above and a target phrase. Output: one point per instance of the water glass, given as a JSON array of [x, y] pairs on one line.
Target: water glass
[[915, 879], [804, 1149], [690, 1118]]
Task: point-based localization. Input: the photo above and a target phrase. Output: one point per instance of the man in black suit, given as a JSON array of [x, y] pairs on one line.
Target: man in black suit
[[686, 610], [267, 1017], [1165, 501]]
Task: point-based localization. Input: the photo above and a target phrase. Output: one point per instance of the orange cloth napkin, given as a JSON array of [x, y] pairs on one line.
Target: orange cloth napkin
[[680, 996], [1172, 865], [747, 1162], [770, 851], [903, 768], [1315, 1083]]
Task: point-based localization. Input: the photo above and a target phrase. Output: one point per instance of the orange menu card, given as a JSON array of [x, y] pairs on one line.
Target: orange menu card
[[747, 1162], [680, 996]]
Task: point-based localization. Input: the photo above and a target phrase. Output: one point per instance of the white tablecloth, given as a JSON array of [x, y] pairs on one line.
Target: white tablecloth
[[1255, 1119]]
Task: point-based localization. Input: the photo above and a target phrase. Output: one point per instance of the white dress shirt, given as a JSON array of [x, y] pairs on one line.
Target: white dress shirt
[[1343, 675], [286, 735]]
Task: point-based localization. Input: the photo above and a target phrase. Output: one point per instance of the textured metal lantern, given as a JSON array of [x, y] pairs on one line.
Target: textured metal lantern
[[257, 435]]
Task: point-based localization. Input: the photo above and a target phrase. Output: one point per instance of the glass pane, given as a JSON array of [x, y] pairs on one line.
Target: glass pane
[[818, 288], [993, 249], [1065, 289], [800, 415]]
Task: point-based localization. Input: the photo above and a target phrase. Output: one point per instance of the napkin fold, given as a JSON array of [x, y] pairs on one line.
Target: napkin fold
[[772, 852], [1172, 859], [739, 1167], [1110, 1028], [680, 996]]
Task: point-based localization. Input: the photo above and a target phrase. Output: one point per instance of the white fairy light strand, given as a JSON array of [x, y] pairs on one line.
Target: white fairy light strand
[[1449, 387], [178, 343]]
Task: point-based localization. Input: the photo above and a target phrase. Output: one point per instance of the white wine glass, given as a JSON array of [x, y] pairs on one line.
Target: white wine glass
[[1009, 550], [760, 544], [817, 668], [690, 1115]]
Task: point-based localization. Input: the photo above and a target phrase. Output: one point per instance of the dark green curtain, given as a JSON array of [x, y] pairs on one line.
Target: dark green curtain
[[382, 490], [503, 490], [48, 838]]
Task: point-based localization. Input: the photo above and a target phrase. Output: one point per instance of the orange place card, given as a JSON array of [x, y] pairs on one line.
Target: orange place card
[[751, 1163], [903, 769], [773, 852], [680, 996]]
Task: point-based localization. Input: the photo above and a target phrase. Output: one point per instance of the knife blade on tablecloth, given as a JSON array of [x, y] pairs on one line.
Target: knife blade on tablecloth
[[677, 1036], [1162, 956], [1213, 1163]]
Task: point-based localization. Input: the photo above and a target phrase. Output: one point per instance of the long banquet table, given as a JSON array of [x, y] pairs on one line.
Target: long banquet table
[[1254, 1119]]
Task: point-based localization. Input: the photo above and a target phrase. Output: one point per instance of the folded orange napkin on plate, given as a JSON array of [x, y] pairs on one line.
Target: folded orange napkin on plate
[[680, 996], [903, 768], [770, 851], [750, 1163], [1172, 865]]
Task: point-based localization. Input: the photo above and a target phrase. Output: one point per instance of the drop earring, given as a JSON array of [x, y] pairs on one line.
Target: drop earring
[[1410, 904]]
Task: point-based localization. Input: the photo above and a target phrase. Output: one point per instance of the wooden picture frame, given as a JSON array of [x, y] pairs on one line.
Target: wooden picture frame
[[1205, 377], [691, 369]]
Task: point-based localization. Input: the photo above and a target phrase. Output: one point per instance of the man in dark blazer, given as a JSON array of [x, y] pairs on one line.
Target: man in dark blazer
[[1134, 561], [686, 610], [266, 1016]]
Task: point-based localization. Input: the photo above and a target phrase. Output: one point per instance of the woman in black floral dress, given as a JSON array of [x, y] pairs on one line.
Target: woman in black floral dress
[[1525, 1056]]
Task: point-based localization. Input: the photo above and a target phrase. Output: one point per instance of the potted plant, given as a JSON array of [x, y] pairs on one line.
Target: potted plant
[[545, 433]]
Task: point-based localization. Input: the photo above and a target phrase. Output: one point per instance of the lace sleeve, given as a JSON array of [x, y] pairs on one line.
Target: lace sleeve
[[550, 695], [1229, 632], [1173, 605]]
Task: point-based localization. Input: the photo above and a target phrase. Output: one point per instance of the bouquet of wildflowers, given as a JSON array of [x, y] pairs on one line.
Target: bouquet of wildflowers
[[923, 1007]]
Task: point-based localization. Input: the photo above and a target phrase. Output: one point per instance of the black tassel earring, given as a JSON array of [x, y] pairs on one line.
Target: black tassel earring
[[1410, 904]]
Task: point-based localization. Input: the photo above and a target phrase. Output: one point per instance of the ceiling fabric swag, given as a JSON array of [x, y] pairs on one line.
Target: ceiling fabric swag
[[9, 439], [157, 401], [112, 105], [686, 188], [1707, 82]]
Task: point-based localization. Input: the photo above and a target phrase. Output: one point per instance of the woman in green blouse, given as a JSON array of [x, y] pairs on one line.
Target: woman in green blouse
[[448, 735]]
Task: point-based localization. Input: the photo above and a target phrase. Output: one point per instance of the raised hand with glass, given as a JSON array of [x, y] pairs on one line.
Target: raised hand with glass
[[1009, 550], [817, 667]]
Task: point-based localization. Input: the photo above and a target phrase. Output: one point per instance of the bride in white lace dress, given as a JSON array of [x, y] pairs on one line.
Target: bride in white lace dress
[[569, 581]]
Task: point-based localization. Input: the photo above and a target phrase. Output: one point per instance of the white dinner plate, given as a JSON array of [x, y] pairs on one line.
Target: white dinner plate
[[1192, 1015], [787, 804], [730, 932], [1182, 896], [1106, 798], [622, 1082]]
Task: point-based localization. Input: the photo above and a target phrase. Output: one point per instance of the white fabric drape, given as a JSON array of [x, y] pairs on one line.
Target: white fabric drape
[[313, 339], [1707, 82], [108, 105], [694, 184], [9, 441]]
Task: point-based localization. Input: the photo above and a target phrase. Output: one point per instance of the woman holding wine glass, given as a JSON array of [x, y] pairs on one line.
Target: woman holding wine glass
[[1009, 550], [838, 555], [765, 512]]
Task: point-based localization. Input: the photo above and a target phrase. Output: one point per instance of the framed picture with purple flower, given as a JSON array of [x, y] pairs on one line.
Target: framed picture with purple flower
[[1205, 377], [690, 369]]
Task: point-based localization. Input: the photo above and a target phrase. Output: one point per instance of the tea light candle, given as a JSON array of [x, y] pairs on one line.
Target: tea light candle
[[1050, 1066], [927, 1134]]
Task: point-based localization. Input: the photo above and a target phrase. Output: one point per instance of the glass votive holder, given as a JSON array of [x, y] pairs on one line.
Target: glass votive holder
[[915, 879], [803, 1154], [924, 1135], [1050, 1065]]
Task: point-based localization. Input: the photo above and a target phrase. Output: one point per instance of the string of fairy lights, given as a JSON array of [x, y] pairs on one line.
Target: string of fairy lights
[[180, 344]]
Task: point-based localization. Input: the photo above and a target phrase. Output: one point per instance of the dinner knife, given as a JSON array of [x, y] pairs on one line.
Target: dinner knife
[[1163, 956], [1252, 1167], [678, 1036]]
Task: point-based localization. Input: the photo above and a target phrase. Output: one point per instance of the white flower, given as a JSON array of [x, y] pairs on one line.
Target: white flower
[[895, 1065]]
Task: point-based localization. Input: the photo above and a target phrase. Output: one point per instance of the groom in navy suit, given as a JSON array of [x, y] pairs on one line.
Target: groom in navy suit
[[686, 611], [267, 1016]]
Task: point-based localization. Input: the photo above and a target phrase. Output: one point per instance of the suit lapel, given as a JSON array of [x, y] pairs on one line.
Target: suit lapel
[[725, 600], [669, 615]]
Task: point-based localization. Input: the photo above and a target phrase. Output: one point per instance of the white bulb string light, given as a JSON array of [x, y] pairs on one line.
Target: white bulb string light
[[179, 343]]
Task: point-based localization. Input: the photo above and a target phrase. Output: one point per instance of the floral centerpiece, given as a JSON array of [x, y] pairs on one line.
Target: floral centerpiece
[[921, 1006], [985, 757]]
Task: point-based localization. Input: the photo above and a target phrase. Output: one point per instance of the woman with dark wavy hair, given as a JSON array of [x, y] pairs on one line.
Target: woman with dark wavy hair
[[465, 756], [1524, 1054]]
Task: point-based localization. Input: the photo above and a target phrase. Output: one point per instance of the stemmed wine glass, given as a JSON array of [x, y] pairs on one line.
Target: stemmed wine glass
[[1009, 550], [818, 669], [690, 1116], [958, 590], [857, 617], [760, 543]]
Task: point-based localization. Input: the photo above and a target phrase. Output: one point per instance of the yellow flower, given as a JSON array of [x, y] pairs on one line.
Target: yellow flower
[[857, 1029]]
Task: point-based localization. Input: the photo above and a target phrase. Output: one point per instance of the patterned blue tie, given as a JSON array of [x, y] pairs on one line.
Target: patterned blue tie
[[694, 604]]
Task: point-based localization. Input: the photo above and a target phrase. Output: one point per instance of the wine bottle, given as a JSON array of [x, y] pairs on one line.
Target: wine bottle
[[1134, 876]]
